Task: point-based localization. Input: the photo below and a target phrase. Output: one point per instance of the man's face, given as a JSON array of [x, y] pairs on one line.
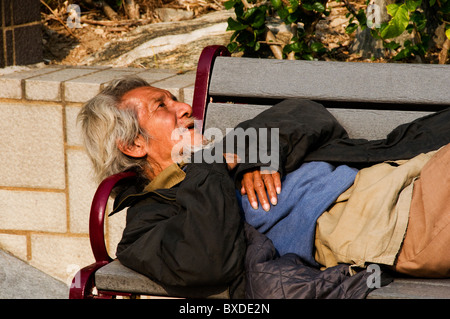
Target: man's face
[[159, 114]]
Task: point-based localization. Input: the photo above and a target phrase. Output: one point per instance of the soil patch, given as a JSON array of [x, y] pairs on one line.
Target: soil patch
[[102, 42]]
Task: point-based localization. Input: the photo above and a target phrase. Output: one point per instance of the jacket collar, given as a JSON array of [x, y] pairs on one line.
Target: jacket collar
[[167, 179]]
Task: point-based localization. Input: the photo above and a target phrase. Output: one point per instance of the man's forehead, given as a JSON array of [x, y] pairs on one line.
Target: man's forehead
[[144, 94]]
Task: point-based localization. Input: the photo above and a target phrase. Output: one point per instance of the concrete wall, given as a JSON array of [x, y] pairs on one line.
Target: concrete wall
[[45, 175]]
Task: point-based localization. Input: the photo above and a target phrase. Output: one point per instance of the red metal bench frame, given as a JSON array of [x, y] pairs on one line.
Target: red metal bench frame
[[83, 283]]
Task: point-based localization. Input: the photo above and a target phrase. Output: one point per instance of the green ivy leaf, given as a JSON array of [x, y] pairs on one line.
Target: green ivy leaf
[[307, 6], [447, 33], [375, 34], [248, 13], [398, 23], [235, 25], [296, 47], [318, 7], [412, 5], [276, 3], [403, 54], [257, 46], [259, 19], [232, 46], [351, 28], [419, 19], [362, 19], [391, 45], [293, 5], [229, 4], [316, 47], [392, 9], [283, 13]]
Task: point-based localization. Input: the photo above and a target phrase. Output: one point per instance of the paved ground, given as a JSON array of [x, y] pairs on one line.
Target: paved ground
[[18, 280]]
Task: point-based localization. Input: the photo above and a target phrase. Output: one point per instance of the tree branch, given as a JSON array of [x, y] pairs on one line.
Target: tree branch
[[59, 19], [443, 55], [131, 9], [276, 49]]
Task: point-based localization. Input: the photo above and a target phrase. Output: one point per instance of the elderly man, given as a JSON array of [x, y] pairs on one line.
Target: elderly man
[[188, 234], [184, 223], [184, 226]]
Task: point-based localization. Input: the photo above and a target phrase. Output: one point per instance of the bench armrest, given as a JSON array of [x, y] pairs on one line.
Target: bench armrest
[[203, 76], [97, 215]]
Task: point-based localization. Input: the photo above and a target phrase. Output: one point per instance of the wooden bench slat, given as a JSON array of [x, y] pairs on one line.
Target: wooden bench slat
[[368, 124], [336, 81], [411, 288], [373, 124], [225, 115], [116, 277]]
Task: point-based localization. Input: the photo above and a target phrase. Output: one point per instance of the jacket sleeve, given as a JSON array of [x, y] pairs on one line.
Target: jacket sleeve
[[196, 240], [302, 126]]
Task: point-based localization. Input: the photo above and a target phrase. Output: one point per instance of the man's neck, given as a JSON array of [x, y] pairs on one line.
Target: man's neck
[[154, 168]]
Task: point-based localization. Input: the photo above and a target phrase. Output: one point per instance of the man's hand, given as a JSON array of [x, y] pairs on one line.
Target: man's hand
[[261, 185]]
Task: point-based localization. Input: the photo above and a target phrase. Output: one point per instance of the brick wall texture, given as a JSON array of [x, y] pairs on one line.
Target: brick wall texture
[[45, 175], [20, 32]]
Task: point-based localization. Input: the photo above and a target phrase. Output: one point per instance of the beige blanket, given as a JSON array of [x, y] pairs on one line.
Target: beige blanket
[[367, 223]]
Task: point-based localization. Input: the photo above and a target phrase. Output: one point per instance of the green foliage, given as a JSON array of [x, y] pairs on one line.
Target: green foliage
[[398, 23], [409, 16], [249, 26]]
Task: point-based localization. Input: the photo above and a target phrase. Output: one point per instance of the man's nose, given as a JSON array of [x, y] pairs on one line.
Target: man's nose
[[183, 110]]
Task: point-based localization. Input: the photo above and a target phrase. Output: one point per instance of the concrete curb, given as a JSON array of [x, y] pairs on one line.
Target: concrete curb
[[18, 280]]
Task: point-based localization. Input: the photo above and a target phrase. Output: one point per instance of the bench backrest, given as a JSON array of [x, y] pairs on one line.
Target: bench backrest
[[369, 99]]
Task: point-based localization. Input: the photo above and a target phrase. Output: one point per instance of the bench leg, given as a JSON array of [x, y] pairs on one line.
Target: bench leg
[[114, 294], [83, 283]]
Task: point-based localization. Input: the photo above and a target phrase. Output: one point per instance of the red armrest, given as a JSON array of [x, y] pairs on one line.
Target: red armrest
[[204, 70], [97, 216]]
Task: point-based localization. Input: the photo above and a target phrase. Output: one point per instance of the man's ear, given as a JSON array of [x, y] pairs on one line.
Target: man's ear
[[137, 149]]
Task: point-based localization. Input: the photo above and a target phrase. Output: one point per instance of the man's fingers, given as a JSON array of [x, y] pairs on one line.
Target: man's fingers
[[260, 188], [270, 187], [247, 187], [277, 182]]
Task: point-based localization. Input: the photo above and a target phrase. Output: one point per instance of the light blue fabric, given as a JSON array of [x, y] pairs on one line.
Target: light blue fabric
[[305, 194]]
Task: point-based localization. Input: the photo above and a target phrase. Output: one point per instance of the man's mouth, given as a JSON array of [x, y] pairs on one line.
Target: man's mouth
[[190, 124]]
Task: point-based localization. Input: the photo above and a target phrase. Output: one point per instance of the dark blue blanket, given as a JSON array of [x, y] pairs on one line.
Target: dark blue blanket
[[305, 194]]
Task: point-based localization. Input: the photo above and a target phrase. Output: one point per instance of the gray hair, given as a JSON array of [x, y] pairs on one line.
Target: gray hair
[[104, 125]]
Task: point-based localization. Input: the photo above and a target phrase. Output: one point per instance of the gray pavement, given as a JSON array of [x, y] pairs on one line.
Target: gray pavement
[[19, 280]]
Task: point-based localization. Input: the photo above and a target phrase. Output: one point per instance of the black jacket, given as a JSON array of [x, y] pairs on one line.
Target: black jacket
[[189, 235], [192, 235], [270, 276]]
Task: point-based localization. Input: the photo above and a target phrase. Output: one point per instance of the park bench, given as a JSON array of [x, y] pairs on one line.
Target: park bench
[[368, 99]]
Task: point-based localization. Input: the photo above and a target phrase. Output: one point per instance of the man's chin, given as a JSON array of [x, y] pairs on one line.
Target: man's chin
[[184, 151]]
